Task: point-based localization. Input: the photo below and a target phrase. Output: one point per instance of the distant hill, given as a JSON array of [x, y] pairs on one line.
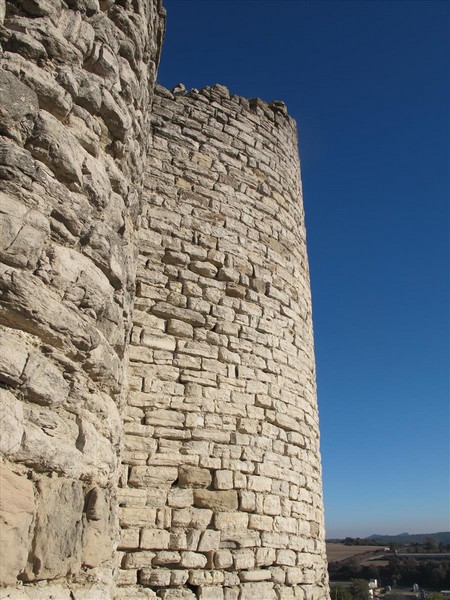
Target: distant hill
[[442, 537]]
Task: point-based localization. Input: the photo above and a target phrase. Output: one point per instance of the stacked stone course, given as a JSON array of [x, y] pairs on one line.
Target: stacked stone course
[[221, 479], [158, 417]]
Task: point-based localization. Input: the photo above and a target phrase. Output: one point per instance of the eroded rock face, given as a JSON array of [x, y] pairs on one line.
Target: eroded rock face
[[76, 83], [57, 533], [17, 513]]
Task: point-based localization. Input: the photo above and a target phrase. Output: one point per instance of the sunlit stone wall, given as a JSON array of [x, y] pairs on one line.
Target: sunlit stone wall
[[221, 494], [76, 81]]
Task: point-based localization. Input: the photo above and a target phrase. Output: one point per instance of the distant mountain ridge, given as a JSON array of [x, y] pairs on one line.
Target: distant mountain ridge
[[441, 537]]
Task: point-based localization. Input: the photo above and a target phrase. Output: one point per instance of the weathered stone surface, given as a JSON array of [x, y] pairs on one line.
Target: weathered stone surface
[[204, 315], [194, 477], [58, 529], [178, 594], [219, 501], [235, 315], [11, 423], [19, 106], [191, 518], [155, 539], [24, 230], [167, 311], [98, 529], [134, 593], [17, 513]]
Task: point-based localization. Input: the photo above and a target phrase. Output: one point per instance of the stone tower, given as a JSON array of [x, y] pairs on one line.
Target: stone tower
[[159, 430]]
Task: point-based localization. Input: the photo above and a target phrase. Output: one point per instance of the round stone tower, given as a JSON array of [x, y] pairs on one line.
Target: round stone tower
[[221, 495]]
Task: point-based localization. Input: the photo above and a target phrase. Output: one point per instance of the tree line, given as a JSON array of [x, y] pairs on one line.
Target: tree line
[[429, 574]]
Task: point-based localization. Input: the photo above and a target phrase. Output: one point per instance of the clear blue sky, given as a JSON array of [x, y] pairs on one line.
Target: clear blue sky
[[368, 83]]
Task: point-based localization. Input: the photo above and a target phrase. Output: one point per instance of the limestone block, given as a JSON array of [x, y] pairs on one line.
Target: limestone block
[[17, 512], [167, 311], [260, 522], [11, 423], [193, 560], [178, 539], [19, 106], [139, 446], [244, 558], [44, 381], [158, 342], [223, 559], [228, 274], [275, 540], [129, 539], [265, 557], [196, 518], [278, 575], [134, 497], [231, 521], [210, 540], [167, 558], [217, 501], [259, 484], [154, 539], [272, 505], [52, 144], [180, 329], [285, 525], [13, 357], [294, 575], [49, 440], [211, 593], [206, 578], [195, 348], [156, 476], [98, 529], [57, 538], [165, 418], [24, 231], [180, 498], [194, 477], [92, 592], [154, 577], [223, 480], [262, 591], [126, 577], [231, 593], [255, 575], [284, 421], [247, 501], [137, 517], [134, 593], [178, 594], [138, 560]]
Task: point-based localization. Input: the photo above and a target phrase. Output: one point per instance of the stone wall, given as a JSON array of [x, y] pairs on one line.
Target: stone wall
[[187, 417], [220, 493], [76, 81]]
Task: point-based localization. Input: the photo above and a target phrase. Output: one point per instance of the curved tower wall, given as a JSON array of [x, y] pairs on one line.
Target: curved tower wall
[[221, 477], [76, 81]]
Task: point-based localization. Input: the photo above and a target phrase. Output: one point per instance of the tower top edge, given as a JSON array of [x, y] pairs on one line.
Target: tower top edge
[[274, 109]]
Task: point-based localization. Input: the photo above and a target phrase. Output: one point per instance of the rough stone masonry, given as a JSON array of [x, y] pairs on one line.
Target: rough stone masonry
[[158, 420]]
